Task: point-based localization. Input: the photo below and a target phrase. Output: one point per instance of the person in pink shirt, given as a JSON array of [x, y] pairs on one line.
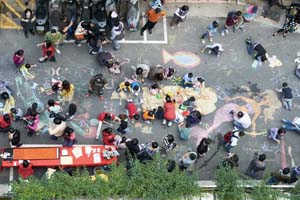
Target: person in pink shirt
[[32, 122], [19, 58]]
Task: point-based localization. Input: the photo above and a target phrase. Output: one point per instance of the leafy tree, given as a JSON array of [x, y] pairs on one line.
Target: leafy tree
[[147, 181], [227, 184]]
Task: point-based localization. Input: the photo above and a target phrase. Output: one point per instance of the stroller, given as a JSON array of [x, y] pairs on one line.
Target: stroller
[[133, 15]]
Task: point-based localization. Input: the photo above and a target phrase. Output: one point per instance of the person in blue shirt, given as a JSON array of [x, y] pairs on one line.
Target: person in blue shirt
[[135, 88], [211, 31], [187, 80]]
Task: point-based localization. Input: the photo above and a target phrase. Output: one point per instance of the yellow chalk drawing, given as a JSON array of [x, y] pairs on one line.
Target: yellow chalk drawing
[[9, 103], [205, 99], [268, 105]]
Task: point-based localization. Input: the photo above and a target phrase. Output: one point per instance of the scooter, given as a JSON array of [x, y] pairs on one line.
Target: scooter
[[100, 18], [55, 13], [133, 15], [85, 10], [70, 9], [42, 16]]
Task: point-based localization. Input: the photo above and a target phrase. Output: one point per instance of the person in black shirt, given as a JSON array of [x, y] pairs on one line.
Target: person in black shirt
[[202, 148], [286, 96], [14, 137]]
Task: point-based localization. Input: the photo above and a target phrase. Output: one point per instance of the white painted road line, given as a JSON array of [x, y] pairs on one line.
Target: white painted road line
[[165, 30], [143, 42], [144, 22]]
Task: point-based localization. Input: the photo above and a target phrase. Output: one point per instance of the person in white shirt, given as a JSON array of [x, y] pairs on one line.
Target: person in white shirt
[[187, 80], [214, 48], [179, 15], [116, 34], [241, 120], [231, 139]]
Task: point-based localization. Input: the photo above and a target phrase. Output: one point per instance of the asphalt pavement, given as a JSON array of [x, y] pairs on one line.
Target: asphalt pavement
[[231, 76]]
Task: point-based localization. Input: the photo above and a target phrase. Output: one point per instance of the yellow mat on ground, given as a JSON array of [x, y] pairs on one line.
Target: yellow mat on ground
[[205, 99]]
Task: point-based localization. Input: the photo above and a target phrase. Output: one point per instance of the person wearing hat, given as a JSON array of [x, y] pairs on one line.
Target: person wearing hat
[[153, 17], [211, 31], [56, 38], [97, 84], [215, 48]]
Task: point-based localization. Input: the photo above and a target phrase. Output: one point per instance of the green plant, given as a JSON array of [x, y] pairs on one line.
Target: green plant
[[228, 186], [32, 188], [152, 181], [264, 192], [147, 181], [295, 192]]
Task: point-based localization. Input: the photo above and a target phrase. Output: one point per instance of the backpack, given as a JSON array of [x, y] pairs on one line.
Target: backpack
[[227, 137], [231, 14]]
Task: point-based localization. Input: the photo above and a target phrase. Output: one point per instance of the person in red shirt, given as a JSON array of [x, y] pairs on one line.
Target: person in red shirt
[[5, 122], [25, 169], [169, 114], [153, 17], [233, 19], [105, 117], [48, 51], [108, 136], [132, 110]]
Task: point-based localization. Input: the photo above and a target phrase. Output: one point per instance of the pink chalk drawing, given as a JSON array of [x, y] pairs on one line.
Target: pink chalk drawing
[[222, 115], [283, 154], [181, 58]]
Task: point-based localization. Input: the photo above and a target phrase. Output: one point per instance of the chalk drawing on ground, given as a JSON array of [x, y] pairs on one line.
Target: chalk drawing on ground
[[181, 58]]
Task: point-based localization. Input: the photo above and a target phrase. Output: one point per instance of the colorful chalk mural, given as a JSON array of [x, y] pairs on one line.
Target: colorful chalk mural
[[181, 58]]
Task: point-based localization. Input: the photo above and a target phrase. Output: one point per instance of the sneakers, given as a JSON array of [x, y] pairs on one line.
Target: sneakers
[[169, 124], [164, 122], [57, 51], [78, 45], [210, 39], [203, 41], [226, 31], [150, 31], [222, 33]]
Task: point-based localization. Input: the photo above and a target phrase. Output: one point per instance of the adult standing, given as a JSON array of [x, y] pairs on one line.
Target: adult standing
[[117, 34], [28, 22], [257, 166], [203, 148], [153, 17], [179, 15], [286, 96]]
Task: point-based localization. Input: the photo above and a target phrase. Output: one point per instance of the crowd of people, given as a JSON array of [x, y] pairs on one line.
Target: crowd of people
[[184, 114]]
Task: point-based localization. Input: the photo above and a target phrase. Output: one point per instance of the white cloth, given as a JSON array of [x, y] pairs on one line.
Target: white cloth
[[245, 121]]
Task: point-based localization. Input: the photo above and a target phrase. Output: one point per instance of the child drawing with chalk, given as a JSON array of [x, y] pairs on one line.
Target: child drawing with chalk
[[24, 69]]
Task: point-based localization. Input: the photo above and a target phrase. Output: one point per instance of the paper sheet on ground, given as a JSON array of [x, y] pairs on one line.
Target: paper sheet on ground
[[77, 152]]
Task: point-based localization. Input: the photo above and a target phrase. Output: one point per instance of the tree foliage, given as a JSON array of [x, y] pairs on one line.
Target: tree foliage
[[147, 181]]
